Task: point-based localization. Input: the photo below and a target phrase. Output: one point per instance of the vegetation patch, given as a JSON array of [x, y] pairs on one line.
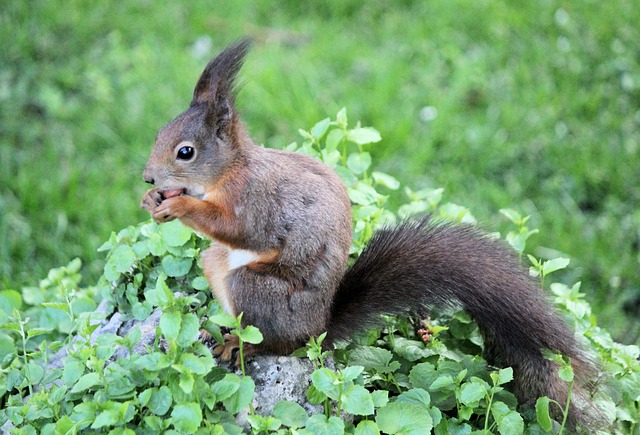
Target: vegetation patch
[[413, 376]]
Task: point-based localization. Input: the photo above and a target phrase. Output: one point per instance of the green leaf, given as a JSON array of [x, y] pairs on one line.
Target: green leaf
[[199, 366], [186, 417], [465, 412], [145, 396], [11, 326], [108, 417], [189, 330], [242, 397], [15, 378], [357, 400], [346, 176], [505, 375], [7, 348], [359, 162], [290, 414], [404, 418], [471, 393], [341, 117], [499, 410], [175, 233], [565, 373], [305, 134], [315, 396], [351, 372], [422, 375], [200, 283], [511, 423], [331, 158], [519, 240], [224, 319], [373, 358], [325, 381], [34, 332], [56, 306], [263, 424], [318, 130], [512, 215], [380, 398], [363, 135], [319, 425], [85, 382], [73, 370], [156, 245], [160, 400], [457, 213], [170, 322], [417, 396], [412, 350], [367, 427], [333, 140], [360, 198], [153, 361], [122, 258], [550, 266], [385, 180], [10, 300], [186, 381], [226, 387], [176, 266], [542, 413], [442, 381], [250, 334], [36, 372]]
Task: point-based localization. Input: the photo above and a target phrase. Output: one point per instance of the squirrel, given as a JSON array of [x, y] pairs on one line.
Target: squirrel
[[280, 223]]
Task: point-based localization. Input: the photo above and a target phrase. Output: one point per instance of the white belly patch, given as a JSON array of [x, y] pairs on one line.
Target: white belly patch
[[240, 257]]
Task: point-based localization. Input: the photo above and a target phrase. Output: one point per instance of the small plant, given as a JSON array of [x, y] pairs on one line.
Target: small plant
[[412, 376], [249, 334]]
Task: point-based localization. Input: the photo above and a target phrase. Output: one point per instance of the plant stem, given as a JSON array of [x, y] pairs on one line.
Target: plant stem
[[565, 412], [241, 352], [486, 417], [24, 354]]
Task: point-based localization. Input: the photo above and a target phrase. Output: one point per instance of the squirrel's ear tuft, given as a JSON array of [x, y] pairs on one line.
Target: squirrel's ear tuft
[[216, 86]]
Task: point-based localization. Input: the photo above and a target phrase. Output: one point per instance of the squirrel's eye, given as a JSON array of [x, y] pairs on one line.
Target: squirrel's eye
[[185, 153]]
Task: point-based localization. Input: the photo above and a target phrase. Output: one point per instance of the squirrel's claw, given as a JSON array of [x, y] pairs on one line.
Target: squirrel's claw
[[151, 199], [225, 351], [169, 209]]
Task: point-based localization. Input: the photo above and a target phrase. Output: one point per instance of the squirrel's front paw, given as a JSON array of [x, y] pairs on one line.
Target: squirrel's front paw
[[169, 209], [151, 199]]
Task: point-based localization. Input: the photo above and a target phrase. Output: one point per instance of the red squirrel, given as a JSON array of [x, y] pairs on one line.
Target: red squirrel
[[281, 229]]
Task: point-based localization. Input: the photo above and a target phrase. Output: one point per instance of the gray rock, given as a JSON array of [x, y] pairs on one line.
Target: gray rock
[[281, 378]]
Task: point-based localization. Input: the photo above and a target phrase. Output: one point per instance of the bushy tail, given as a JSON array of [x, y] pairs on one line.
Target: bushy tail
[[426, 264]]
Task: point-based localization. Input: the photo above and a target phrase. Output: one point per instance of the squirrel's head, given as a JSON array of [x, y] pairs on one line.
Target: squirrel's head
[[195, 149]]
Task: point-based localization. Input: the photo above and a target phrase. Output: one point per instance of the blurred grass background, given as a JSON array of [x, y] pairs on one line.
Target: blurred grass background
[[529, 105]]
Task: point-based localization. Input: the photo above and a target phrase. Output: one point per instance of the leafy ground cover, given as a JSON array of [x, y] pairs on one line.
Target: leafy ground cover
[[532, 106], [395, 380]]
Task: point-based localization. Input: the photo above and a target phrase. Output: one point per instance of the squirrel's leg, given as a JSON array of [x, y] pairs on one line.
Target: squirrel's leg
[[216, 268], [286, 314]]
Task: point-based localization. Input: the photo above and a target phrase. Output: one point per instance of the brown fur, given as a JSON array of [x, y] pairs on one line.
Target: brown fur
[[290, 216]]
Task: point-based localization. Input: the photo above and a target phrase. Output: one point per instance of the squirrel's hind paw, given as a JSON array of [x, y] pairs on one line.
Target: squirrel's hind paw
[[225, 351]]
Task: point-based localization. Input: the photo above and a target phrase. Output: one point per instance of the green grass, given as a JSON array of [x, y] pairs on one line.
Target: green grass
[[538, 109]]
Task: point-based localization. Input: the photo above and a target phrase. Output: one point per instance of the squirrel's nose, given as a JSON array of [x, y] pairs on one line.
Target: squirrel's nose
[[147, 177]]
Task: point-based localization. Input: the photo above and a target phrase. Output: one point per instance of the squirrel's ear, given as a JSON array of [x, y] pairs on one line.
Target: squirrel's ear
[[216, 86]]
